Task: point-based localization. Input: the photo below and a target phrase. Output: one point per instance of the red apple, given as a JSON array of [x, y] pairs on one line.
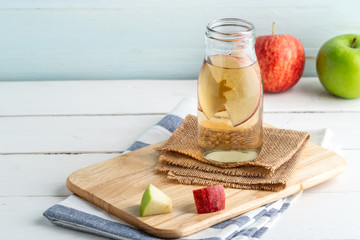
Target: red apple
[[209, 199], [281, 59]]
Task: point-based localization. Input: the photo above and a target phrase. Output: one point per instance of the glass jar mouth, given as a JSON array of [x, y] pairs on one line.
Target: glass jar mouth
[[230, 29]]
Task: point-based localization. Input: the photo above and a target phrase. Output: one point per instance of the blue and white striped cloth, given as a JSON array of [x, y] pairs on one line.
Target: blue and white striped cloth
[[78, 214]]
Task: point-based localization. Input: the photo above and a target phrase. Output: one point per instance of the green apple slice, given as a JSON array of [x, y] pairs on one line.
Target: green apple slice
[[154, 201]]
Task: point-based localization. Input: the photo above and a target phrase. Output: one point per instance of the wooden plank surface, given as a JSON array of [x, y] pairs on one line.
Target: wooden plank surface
[[328, 196], [92, 97], [332, 205], [45, 175], [21, 218], [72, 134], [107, 185], [349, 182], [104, 134], [73, 40], [41, 175], [146, 97], [319, 216]]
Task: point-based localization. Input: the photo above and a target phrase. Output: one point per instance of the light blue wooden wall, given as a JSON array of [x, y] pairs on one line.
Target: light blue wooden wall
[[155, 39]]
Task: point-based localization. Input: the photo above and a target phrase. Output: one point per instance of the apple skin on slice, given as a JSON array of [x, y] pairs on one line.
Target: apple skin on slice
[[154, 201], [209, 199], [245, 97], [243, 86]]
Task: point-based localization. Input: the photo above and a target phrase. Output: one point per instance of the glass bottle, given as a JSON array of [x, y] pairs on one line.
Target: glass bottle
[[230, 94]]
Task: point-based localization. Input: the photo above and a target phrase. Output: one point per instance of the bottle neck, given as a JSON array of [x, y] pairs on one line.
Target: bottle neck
[[231, 36]]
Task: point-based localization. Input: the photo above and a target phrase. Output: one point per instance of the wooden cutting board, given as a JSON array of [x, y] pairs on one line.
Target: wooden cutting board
[[116, 185]]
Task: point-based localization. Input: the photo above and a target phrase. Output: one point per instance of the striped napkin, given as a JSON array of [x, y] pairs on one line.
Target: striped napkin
[[78, 214]]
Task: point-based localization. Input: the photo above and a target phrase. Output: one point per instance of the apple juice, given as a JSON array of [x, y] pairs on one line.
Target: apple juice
[[230, 109]]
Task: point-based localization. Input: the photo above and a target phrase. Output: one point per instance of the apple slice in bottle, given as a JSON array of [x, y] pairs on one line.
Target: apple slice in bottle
[[244, 87], [212, 84], [244, 99], [219, 65], [244, 60], [209, 97]]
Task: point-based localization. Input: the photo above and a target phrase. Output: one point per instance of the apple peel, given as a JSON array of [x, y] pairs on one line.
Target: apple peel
[[245, 98], [154, 201], [209, 199]]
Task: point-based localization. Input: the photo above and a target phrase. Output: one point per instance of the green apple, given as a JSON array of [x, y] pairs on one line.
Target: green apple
[[338, 65], [154, 201]]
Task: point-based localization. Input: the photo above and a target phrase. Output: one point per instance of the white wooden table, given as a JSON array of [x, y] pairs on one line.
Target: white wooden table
[[50, 129]]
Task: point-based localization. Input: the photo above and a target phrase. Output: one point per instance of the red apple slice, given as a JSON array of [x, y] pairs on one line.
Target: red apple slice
[[209, 199], [244, 87]]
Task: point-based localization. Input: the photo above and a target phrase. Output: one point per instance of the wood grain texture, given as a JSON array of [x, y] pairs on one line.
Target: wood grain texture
[[76, 40], [117, 184]]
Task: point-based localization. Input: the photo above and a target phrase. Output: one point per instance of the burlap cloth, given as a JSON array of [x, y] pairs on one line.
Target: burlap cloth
[[181, 159]]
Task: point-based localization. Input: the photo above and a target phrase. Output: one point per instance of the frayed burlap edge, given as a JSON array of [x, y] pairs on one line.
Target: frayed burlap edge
[[184, 141], [276, 182], [206, 182], [181, 160]]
